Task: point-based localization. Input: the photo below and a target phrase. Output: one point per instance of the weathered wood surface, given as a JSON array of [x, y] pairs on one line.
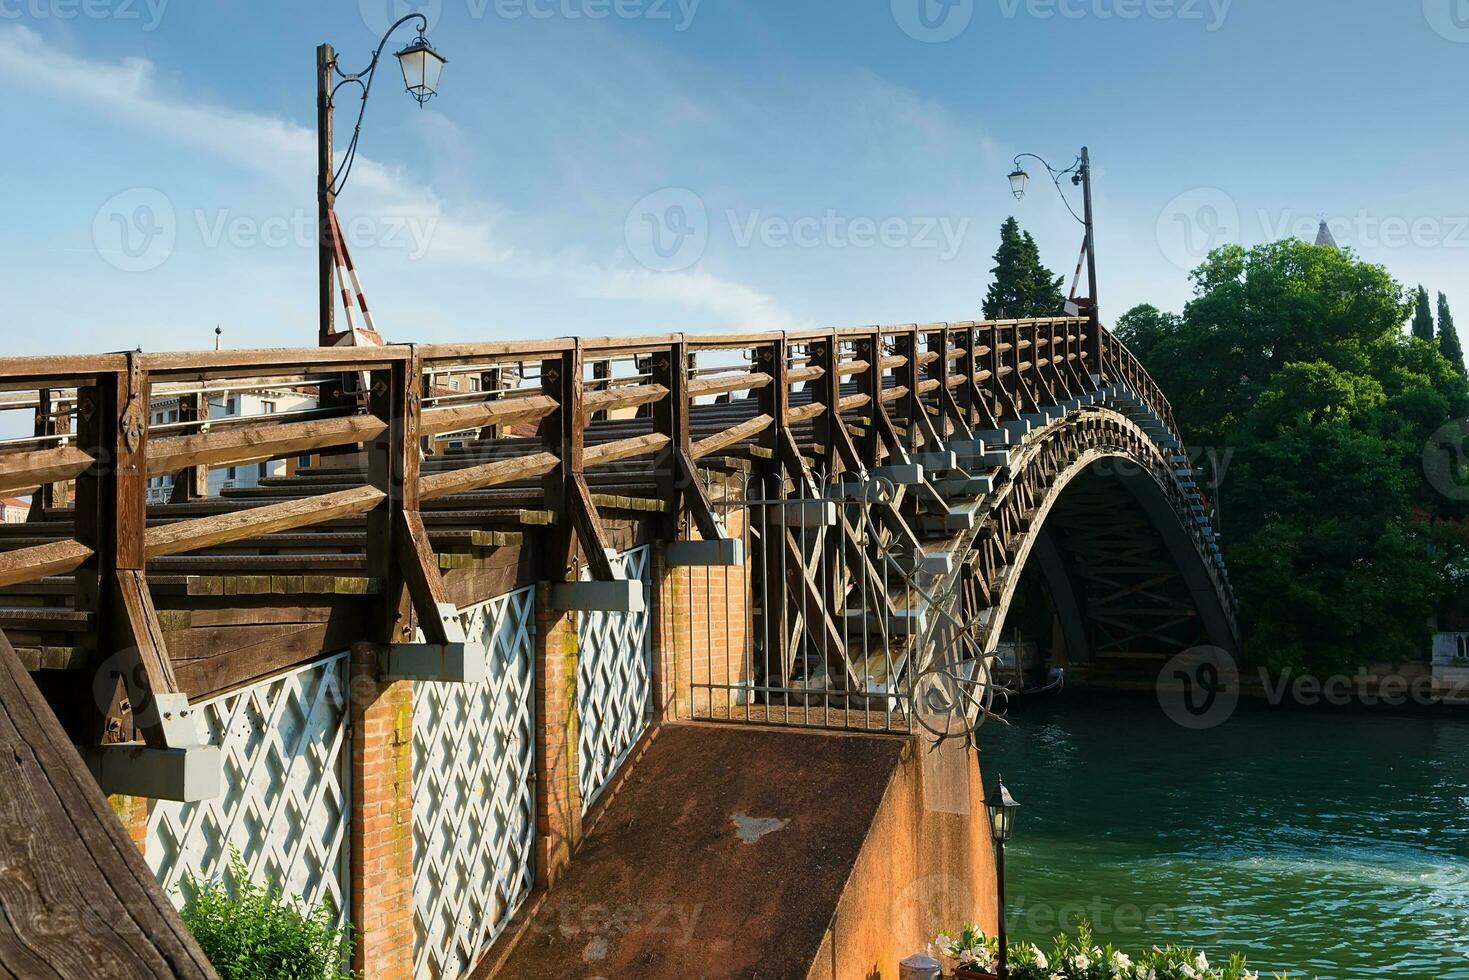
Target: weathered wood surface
[[76, 898]]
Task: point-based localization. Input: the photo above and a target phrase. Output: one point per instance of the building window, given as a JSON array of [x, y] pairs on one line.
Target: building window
[[229, 473], [267, 408], [231, 405]]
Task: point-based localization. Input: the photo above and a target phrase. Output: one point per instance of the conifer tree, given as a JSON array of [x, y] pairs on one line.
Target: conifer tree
[[1423, 317], [1448, 336], [1022, 287]]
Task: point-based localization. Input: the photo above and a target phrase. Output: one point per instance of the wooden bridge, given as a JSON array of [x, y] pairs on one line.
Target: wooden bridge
[[851, 488]]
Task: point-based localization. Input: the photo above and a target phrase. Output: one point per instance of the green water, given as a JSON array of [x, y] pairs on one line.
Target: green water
[[1333, 845]]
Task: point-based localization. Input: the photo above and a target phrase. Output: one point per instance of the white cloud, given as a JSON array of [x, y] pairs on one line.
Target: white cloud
[[284, 153]]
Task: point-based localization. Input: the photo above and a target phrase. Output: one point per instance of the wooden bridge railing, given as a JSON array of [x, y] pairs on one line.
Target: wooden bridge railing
[[568, 425]]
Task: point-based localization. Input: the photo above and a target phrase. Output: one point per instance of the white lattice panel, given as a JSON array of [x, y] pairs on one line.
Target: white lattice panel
[[284, 805], [614, 683], [474, 815]]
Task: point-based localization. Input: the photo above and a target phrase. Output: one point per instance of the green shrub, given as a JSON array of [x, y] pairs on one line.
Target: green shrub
[[251, 932]]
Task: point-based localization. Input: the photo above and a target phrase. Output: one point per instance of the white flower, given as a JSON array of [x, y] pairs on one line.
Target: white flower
[[1201, 962], [1120, 962], [1040, 958], [1058, 976], [1188, 971], [1080, 961]]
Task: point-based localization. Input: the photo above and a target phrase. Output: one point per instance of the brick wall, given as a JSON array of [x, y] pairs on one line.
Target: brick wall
[[558, 782], [704, 636], [382, 821]]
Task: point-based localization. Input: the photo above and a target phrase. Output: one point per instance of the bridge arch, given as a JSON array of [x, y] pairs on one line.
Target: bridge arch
[[1102, 446]]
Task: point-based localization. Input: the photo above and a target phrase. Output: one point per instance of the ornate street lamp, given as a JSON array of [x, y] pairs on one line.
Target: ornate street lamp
[[1017, 182], [1001, 807], [1080, 173], [421, 66]]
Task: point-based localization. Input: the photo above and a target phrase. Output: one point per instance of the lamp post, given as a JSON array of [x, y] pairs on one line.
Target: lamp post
[[421, 66], [1001, 807], [1080, 173]]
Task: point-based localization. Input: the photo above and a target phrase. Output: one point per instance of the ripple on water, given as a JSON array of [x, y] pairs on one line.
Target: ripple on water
[[1269, 836]]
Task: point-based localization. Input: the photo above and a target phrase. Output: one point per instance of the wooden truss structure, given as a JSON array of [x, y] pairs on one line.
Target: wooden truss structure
[[428, 478]]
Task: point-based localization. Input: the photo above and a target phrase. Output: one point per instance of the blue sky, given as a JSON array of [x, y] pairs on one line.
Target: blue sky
[[803, 163]]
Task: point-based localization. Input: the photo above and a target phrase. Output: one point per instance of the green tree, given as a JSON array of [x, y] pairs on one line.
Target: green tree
[[1022, 286], [1291, 362], [1448, 336], [1423, 317]]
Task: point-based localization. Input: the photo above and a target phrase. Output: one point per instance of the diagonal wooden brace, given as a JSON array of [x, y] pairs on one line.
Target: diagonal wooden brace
[[445, 654]]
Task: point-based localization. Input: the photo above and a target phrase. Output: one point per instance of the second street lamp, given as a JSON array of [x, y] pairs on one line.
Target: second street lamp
[[1001, 808], [1080, 173], [421, 66]]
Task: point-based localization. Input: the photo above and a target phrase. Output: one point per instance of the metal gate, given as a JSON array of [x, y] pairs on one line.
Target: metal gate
[[614, 681], [474, 818], [284, 805]]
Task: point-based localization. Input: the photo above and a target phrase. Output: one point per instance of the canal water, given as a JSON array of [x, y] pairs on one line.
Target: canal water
[[1333, 845]]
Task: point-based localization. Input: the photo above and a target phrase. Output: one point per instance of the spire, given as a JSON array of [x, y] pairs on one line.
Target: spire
[[1325, 237]]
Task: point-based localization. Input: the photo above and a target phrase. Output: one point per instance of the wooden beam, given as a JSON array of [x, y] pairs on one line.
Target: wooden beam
[[421, 573], [176, 453], [79, 899], [729, 437], [724, 384], [626, 397], [202, 532], [611, 452], [145, 667], [42, 560], [26, 471], [486, 475], [502, 411]]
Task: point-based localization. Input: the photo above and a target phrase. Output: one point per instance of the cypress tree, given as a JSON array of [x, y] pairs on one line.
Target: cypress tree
[[1022, 287], [1423, 317], [1448, 337]]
